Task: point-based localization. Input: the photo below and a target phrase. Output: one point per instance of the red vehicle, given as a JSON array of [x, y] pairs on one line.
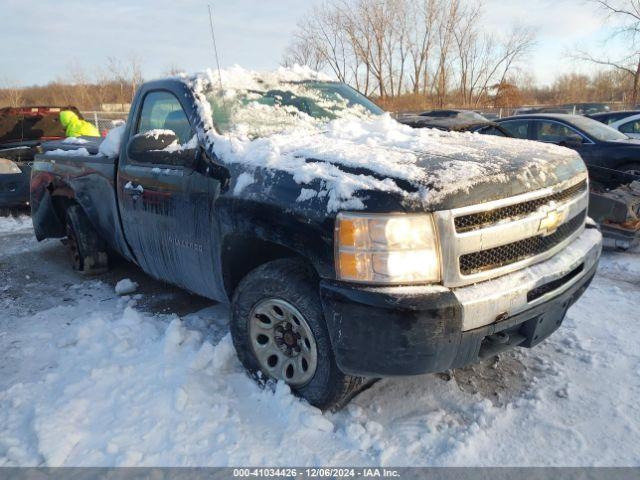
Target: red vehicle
[[22, 129]]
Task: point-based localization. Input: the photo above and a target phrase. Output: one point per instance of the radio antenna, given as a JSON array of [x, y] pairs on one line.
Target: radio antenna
[[215, 53], [215, 49]]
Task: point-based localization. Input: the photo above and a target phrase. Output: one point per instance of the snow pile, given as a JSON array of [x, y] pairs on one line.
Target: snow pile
[[244, 180], [621, 266], [156, 133], [74, 140], [94, 381], [125, 287], [80, 152], [282, 139], [128, 389], [110, 146], [15, 224]]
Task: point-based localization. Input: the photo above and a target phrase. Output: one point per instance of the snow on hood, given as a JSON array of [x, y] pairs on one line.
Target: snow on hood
[[436, 163]]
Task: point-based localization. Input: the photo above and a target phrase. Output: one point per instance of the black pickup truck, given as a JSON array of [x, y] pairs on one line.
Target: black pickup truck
[[349, 248]]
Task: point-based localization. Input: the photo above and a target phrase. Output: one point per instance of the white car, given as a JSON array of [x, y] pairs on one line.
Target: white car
[[630, 126]]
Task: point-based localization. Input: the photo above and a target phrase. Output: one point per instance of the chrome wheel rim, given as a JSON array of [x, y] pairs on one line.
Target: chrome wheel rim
[[283, 342]]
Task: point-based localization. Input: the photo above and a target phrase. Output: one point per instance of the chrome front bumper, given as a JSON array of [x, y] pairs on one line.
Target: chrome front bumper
[[505, 296]]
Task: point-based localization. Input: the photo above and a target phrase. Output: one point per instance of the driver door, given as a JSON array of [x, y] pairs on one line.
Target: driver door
[[167, 208]]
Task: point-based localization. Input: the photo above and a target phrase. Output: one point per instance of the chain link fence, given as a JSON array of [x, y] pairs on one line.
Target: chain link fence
[[105, 121]]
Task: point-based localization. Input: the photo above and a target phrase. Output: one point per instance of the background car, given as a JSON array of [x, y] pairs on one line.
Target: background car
[[453, 113], [530, 110], [456, 124], [610, 117], [599, 145], [586, 108], [630, 126]]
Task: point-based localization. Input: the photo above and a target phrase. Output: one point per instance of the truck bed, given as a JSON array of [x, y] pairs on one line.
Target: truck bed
[[92, 178]]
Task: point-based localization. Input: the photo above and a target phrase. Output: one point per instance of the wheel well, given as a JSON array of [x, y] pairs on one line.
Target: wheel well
[[240, 255], [60, 206]]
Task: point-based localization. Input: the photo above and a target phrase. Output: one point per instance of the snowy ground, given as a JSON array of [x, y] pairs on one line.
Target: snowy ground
[[88, 377]]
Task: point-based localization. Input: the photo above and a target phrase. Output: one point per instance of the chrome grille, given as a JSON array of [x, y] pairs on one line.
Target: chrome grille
[[516, 251], [479, 220], [509, 243]]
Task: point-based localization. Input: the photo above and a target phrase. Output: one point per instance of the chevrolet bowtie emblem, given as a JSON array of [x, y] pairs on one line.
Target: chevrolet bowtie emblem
[[550, 223]]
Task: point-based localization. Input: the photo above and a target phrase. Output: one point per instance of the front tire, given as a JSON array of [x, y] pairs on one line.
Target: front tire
[[278, 329]]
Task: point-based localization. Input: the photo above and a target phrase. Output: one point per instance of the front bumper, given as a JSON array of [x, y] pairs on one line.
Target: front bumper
[[387, 331], [14, 188]]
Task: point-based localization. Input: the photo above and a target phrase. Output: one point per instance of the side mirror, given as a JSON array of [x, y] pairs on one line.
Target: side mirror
[[146, 142], [161, 147]]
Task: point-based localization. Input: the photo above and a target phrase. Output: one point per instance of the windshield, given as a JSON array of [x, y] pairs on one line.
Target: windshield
[[598, 130], [295, 105]]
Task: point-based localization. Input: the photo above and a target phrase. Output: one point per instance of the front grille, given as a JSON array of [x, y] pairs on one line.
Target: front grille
[[479, 220], [497, 257]]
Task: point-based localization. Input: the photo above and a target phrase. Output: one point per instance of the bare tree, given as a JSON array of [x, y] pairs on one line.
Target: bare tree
[[472, 51], [10, 94], [514, 48], [127, 74], [392, 47], [626, 16], [445, 38], [422, 19], [322, 40], [303, 51], [173, 70]]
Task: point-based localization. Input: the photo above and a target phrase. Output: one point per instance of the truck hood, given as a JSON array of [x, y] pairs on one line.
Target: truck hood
[[429, 169], [459, 180]]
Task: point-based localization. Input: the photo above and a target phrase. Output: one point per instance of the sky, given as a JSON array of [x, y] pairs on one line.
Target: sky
[[41, 41]]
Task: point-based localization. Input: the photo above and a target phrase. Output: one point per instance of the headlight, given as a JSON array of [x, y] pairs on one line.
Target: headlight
[[387, 249], [7, 166]]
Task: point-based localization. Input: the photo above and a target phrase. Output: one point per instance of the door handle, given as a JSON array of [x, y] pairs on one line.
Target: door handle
[[134, 191]]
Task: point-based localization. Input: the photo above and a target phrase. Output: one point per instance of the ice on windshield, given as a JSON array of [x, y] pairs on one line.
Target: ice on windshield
[[251, 106]]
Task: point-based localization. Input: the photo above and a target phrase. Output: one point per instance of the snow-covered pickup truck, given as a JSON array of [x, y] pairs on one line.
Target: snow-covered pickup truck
[[349, 246]]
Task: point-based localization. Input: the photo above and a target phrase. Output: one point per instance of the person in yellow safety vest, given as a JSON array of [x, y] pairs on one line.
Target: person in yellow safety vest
[[75, 127]]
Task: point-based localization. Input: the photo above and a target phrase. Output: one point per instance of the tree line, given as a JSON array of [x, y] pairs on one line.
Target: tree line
[[413, 54], [407, 55], [114, 83], [434, 48]]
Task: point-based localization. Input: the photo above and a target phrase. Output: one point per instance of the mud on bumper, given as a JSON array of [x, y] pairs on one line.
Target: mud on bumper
[[413, 330]]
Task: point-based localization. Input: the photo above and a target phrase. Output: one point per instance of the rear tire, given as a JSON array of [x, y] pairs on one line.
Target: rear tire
[[289, 288], [87, 250]]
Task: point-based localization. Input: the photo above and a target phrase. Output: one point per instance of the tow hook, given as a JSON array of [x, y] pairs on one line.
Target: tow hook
[[501, 338]]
